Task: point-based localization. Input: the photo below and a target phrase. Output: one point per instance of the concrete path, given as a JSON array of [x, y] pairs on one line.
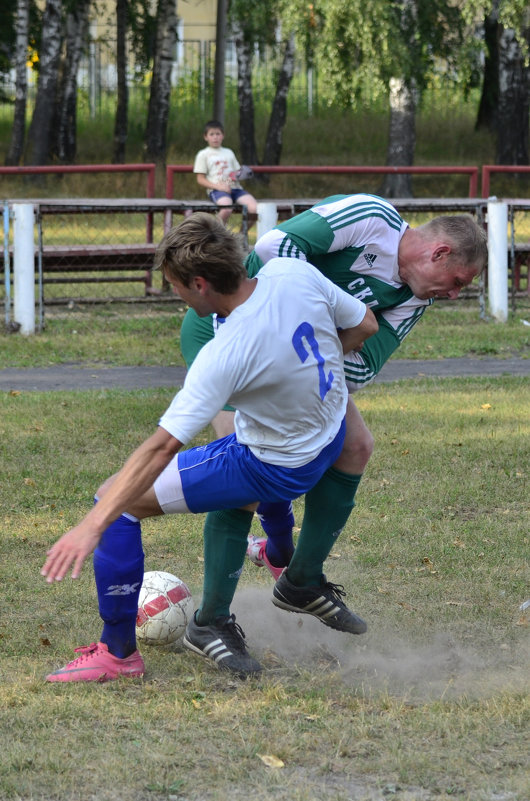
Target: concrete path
[[75, 377]]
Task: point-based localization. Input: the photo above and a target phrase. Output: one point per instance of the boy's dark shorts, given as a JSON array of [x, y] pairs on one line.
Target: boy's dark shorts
[[234, 195]]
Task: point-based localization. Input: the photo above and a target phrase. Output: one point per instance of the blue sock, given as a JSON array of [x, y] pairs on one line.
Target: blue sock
[[277, 521], [119, 571]]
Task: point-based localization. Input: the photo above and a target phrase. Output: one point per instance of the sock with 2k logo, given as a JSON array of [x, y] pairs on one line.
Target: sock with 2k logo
[[119, 570]]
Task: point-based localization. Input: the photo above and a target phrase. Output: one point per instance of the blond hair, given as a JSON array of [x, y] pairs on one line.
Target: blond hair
[[202, 246], [468, 240]]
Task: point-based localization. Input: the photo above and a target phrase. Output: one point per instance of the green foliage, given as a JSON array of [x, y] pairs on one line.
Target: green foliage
[[257, 20], [364, 44], [142, 25], [7, 34]]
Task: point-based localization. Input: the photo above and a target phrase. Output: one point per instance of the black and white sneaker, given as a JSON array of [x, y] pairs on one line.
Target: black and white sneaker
[[222, 643], [324, 602]]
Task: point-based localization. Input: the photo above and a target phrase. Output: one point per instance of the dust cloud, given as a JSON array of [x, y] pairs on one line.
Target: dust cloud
[[435, 666]]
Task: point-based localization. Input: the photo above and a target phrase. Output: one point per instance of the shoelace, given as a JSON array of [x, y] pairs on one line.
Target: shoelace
[[338, 592], [86, 650], [235, 636]]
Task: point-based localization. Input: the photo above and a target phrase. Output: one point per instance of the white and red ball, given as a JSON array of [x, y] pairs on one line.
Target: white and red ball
[[165, 607]]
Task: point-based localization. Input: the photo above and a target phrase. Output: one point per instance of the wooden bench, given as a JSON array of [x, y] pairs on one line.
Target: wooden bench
[[65, 264], [521, 268]]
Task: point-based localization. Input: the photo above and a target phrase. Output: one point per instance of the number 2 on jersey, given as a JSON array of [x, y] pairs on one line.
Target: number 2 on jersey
[[306, 331]]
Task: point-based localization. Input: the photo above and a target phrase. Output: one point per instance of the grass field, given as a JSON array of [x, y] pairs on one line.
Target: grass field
[[129, 334], [431, 704]]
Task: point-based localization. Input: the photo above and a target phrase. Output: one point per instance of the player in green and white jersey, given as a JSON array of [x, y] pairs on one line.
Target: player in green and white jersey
[[361, 243]]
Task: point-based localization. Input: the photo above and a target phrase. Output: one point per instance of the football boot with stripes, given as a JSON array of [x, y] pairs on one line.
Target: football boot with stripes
[[323, 601], [223, 643]]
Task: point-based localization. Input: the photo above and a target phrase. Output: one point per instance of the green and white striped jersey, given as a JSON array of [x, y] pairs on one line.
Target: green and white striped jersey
[[353, 240]]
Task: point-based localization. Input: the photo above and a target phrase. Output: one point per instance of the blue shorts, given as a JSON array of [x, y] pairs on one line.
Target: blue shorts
[[234, 195], [226, 475]]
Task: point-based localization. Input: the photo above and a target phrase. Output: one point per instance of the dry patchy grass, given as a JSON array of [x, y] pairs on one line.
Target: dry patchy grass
[[431, 704]]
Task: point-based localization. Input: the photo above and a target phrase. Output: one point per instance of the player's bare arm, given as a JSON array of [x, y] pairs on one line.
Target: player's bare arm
[[202, 180], [135, 477], [353, 338]]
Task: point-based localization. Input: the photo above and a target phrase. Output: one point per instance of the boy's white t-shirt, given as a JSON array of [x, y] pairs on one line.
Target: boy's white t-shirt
[[216, 163], [278, 360]]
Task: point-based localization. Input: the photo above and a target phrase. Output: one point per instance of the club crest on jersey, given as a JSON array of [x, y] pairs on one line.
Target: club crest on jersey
[[370, 258]]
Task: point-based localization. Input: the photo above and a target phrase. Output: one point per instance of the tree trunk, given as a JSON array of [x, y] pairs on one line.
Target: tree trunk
[[18, 132], [273, 142], [40, 132], [220, 51], [65, 124], [121, 122], [247, 135], [158, 112], [514, 100], [402, 136], [489, 99]]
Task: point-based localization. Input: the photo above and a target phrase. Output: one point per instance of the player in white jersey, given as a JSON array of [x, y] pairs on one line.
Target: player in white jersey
[[283, 340], [361, 243]]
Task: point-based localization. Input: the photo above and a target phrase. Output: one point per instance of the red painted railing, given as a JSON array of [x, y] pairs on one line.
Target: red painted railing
[[171, 169], [59, 169], [488, 169], [62, 169]]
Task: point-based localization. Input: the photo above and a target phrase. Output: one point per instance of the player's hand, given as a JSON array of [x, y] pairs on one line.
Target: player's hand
[[70, 551]]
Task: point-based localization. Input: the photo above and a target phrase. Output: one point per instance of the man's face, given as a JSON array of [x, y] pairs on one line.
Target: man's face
[[214, 137], [193, 295], [440, 277]]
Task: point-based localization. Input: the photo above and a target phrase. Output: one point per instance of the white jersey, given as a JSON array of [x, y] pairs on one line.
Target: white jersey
[[278, 361], [216, 163]]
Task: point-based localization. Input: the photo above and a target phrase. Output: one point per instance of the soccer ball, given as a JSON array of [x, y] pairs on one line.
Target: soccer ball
[[165, 607]]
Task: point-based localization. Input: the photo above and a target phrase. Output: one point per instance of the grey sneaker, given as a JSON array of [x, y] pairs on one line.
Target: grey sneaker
[[324, 602], [222, 643]]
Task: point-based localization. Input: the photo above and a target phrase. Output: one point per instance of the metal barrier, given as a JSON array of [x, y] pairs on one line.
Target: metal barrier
[[489, 169], [64, 169], [97, 254], [171, 169], [101, 247]]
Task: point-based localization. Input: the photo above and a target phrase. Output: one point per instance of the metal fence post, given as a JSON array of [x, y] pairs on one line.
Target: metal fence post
[[498, 259], [7, 270], [24, 267], [267, 217]]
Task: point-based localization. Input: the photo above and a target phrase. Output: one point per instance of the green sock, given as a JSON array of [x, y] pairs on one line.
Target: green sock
[[225, 545], [327, 508]]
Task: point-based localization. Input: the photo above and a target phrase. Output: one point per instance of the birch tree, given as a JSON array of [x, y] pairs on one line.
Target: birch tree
[[389, 46], [121, 121], [159, 99], [514, 99], [18, 131], [254, 23], [278, 117], [64, 142], [40, 132], [506, 74]]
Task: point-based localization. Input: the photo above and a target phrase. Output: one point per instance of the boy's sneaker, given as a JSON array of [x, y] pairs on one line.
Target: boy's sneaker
[[224, 644], [324, 602], [97, 664], [256, 553]]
